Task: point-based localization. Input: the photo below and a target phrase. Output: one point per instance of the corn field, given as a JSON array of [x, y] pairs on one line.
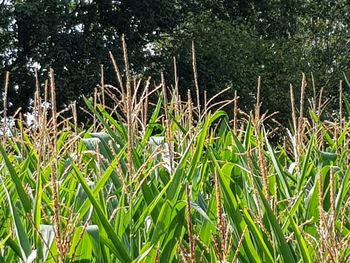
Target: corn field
[[174, 181]]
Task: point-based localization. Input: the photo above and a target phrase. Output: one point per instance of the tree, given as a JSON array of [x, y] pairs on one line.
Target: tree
[[74, 37], [237, 41], [234, 47]]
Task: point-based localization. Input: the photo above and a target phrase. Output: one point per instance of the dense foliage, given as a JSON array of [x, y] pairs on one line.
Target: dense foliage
[[74, 37], [236, 41]]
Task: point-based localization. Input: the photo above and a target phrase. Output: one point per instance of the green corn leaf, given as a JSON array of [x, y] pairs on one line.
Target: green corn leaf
[[81, 246], [84, 208], [38, 207], [301, 242], [15, 248], [22, 236], [121, 252], [283, 247], [25, 200], [343, 190], [306, 165], [280, 173], [94, 234], [254, 230], [48, 235], [3, 241], [232, 208], [144, 254]]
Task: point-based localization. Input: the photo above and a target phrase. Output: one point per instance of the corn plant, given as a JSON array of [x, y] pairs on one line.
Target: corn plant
[[172, 182]]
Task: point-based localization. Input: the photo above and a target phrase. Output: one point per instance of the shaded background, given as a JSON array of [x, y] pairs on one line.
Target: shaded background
[[236, 41]]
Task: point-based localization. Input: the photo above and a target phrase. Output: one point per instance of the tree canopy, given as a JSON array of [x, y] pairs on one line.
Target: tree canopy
[[236, 41], [74, 38]]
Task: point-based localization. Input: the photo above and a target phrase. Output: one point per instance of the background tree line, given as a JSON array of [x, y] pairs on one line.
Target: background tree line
[[236, 41]]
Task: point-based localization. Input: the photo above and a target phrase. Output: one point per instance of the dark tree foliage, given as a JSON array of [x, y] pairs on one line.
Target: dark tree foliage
[[236, 41], [74, 37]]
